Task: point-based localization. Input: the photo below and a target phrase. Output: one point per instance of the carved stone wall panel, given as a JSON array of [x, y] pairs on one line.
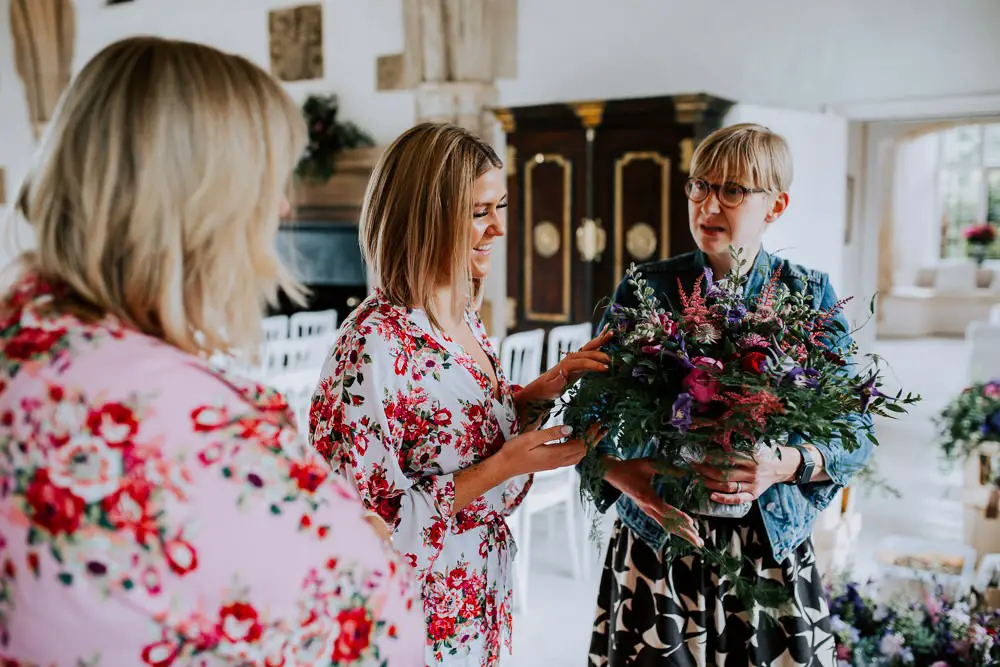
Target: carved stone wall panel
[[44, 33], [464, 104], [296, 41]]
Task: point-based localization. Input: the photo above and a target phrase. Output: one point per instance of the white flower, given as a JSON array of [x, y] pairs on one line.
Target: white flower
[[892, 644], [87, 467]]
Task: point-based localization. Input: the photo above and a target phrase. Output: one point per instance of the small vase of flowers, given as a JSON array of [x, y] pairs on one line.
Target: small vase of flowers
[[978, 238]]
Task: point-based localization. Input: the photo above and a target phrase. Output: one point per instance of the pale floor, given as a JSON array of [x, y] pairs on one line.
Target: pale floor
[[555, 631]]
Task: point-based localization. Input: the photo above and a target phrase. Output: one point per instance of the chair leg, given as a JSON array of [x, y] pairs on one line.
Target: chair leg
[[523, 562], [572, 538]]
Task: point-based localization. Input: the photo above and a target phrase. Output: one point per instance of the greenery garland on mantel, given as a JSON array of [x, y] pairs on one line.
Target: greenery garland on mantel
[[328, 138]]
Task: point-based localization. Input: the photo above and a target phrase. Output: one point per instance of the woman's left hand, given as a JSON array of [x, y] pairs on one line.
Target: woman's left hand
[[551, 384], [735, 478]]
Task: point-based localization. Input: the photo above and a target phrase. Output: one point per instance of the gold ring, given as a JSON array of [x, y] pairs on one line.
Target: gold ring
[[739, 487]]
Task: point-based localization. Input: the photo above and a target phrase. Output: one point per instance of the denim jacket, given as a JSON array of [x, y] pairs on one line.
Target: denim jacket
[[789, 511]]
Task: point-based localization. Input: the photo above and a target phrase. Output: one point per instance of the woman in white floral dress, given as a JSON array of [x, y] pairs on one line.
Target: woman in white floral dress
[[412, 405]]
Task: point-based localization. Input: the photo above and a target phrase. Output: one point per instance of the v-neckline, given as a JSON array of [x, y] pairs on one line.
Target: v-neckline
[[463, 358]]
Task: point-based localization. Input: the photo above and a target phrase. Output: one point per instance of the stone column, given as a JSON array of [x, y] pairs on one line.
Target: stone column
[[451, 60]]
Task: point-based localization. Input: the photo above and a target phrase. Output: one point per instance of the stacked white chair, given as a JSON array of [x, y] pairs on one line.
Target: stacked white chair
[[313, 323], [520, 358], [275, 327], [297, 387]]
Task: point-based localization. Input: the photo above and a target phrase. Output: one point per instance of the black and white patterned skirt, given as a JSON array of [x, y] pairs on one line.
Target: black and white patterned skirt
[[651, 612]]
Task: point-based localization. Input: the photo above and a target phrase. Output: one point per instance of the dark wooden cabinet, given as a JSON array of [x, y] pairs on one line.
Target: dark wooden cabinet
[[593, 187]]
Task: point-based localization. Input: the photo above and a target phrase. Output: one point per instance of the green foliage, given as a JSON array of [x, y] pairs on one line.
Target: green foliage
[[327, 138]]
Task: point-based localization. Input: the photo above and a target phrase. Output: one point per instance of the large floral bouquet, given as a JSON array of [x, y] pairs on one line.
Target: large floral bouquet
[[721, 371], [969, 420], [937, 632]]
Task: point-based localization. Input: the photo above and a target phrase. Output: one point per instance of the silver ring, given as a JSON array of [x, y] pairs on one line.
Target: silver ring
[[739, 487]]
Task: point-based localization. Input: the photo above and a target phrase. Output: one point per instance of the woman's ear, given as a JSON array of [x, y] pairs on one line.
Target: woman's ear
[[778, 206]]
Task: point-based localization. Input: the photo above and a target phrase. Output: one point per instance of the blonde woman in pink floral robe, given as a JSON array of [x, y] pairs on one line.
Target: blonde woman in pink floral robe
[[154, 511]]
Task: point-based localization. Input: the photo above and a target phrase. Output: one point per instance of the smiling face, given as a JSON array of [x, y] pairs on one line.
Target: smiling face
[[489, 220]]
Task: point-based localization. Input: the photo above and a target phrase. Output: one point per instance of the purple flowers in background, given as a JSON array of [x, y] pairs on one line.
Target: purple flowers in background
[[804, 377]]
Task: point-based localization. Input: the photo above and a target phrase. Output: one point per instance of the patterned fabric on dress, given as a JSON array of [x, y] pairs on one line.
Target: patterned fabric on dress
[[679, 614], [400, 408], [156, 512]]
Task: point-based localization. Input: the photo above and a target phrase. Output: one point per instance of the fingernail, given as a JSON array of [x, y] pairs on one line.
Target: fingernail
[[566, 430]]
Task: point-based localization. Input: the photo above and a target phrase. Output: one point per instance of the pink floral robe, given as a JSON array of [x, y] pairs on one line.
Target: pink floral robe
[[400, 409], [155, 512]]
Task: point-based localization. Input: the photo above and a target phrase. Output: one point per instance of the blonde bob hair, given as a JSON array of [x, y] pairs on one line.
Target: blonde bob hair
[[748, 154], [155, 194], [416, 221]]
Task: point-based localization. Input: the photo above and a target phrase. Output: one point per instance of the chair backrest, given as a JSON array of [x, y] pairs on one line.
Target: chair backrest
[[983, 342], [275, 327], [314, 323], [565, 339], [294, 354], [297, 387], [521, 356]]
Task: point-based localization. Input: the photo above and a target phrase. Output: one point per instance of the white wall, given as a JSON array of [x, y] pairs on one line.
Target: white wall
[[811, 232], [785, 53], [916, 217]]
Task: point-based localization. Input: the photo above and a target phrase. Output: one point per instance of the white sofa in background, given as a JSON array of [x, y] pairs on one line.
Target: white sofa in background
[[939, 301]]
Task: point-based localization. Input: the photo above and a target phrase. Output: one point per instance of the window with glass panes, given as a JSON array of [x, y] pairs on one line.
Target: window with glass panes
[[969, 184]]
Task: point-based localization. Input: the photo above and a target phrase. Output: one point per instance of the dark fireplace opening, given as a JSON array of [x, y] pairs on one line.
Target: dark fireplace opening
[[323, 251]]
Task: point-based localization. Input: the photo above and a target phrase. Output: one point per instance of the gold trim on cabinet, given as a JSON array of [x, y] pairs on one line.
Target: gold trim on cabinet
[[529, 225], [590, 113], [686, 153], [511, 161], [506, 118], [620, 165], [690, 108]]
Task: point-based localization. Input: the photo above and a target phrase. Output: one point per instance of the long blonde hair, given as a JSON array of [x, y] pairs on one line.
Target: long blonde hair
[[416, 221], [155, 194]]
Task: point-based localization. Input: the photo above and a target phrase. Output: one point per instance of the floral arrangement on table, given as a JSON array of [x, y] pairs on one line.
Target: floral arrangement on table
[[969, 420], [978, 238], [327, 138], [722, 372], [937, 632]]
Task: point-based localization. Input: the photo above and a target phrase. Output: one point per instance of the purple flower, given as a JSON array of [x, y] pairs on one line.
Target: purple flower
[[993, 422], [640, 372], [868, 392], [803, 377], [736, 314], [680, 413]]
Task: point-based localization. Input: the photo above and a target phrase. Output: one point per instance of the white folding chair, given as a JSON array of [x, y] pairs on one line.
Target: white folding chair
[[312, 323], [521, 356], [566, 339], [275, 327], [294, 354], [297, 387]]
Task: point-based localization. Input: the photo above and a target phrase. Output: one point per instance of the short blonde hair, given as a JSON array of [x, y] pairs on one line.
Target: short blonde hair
[[748, 154], [156, 192], [416, 221]]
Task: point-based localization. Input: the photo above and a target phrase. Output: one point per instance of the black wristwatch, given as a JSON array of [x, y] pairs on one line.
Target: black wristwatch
[[804, 473]]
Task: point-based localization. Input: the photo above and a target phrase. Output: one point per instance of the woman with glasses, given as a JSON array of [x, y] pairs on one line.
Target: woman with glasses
[[654, 611]]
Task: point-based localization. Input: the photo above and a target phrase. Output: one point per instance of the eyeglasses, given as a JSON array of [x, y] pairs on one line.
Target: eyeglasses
[[729, 194]]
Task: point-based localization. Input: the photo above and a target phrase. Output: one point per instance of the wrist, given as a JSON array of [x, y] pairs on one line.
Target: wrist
[[791, 462]]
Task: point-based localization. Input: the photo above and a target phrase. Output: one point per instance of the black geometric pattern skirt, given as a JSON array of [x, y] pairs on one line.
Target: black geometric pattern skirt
[[651, 612]]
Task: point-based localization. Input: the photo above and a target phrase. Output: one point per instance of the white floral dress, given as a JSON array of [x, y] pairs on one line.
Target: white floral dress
[[399, 409]]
